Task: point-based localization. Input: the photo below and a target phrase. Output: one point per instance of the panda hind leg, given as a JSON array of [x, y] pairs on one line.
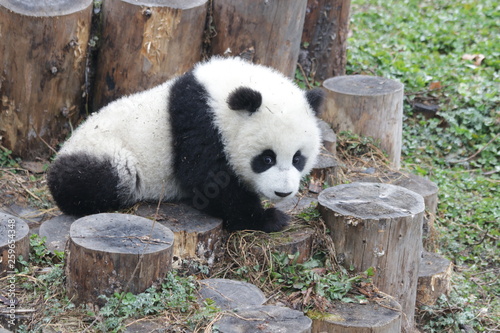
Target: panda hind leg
[[83, 184]]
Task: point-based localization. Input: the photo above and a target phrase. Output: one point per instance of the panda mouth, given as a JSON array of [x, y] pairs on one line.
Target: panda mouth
[[283, 195]]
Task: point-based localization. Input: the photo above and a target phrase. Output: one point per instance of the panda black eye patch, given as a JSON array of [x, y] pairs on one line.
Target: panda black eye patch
[[299, 161], [264, 161]]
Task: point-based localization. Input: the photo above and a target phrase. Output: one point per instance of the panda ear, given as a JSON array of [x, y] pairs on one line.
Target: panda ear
[[244, 98], [315, 98]]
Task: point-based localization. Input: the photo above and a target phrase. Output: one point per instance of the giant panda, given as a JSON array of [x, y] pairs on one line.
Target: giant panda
[[223, 135]]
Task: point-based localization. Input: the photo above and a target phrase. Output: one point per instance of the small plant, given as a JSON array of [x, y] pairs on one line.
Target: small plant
[[309, 214], [6, 158], [175, 294], [40, 255], [313, 279]]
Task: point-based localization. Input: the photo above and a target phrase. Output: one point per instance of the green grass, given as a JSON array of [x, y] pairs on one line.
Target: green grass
[[422, 44]]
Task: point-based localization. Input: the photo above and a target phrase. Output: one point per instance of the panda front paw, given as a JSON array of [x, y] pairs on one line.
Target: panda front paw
[[274, 220]]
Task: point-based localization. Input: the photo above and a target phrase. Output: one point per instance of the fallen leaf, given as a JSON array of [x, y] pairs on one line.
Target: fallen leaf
[[436, 85], [477, 58]]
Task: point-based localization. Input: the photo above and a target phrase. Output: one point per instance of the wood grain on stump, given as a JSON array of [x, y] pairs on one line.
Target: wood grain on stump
[[382, 315], [264, 318], [368, 106], [43, 51], [14, 242], [144, 43], [110, 253], [380, 226], [262, 31], [197, 235], [434, 278], [56, 232], [230, 294], [423, 186]]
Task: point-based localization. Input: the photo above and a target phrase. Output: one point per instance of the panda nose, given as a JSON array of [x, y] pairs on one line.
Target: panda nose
[[281, 194]]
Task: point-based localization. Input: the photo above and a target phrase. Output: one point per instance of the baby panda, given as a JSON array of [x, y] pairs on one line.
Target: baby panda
[[222, 135]]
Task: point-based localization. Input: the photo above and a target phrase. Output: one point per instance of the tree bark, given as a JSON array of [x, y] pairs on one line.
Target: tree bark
[[369, 106], [423, 186], [110, 253], [434, 278], [145, 43], [324, 38], [379, 226], [197, 235], [43, 48], [262, 31]]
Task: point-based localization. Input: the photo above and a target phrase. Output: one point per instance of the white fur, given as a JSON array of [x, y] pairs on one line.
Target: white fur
[[135, 132]]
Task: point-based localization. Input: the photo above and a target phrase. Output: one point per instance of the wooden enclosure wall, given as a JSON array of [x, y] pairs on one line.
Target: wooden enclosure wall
[[46, 69]]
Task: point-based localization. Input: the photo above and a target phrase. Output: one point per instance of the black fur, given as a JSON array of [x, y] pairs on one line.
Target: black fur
[[315, 98], [202, 168], [244, 98], [264, 161], [299, 161], [84, 184]]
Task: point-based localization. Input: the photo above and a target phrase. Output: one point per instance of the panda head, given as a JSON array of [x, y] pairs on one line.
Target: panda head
[[273, 139]]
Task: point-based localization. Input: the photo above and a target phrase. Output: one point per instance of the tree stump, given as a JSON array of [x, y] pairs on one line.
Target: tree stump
[[325, 172], [324, 38], [369, 106], [56, 232], [144, 43], [110, 253], [434, 278], [429, 191], [231, 294], [380, 226], [328, 137], [423, 186], [382, 315], [197, 235], [264, 318], [43, 49], [14, 242], [262, 31]]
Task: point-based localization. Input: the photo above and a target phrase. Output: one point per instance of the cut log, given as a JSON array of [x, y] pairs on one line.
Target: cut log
[[423, 186], [110, 253], [56, 232], [324, 38], [144, 43], [296, 205], [380, 315], [296, 241], [264, 318], [434, 278], [14, 242], [328, 137], [369, 106], [379, 226], [262, 31], [43, 50], [231, 294], [197, 235], [325, 172], [429, 191]]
